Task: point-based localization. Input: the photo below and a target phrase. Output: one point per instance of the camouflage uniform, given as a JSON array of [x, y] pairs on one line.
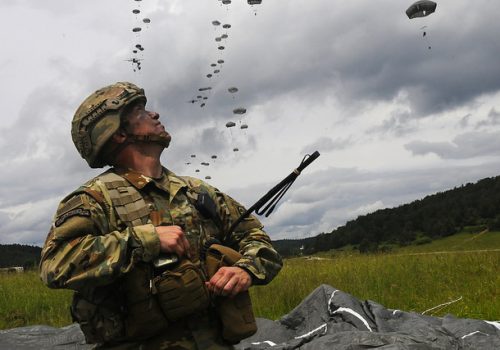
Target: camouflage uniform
[[90, 250]]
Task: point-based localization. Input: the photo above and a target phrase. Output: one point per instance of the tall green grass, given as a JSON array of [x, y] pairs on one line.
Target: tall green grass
[[397, 280], [409, 283], [25, 300]]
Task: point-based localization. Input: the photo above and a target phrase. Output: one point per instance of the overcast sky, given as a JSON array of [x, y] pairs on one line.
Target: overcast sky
[[396, 115]]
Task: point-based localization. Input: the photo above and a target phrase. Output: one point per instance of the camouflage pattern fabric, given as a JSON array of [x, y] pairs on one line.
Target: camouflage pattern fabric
[[88, 246]]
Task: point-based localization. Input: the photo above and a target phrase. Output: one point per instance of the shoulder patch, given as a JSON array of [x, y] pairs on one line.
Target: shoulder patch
[[69, 214], [71, 204]]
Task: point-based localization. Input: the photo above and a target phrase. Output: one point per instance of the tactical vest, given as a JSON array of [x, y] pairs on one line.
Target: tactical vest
[[133, 312]]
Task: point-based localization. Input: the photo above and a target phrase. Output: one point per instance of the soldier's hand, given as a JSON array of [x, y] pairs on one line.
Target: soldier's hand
[[173, 240], [229, 281]]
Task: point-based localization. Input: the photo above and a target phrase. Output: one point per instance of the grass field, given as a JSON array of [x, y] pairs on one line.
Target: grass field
[[414, 278]]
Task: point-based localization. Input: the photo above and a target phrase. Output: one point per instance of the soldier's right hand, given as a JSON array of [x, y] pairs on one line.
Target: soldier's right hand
[[173, 240]]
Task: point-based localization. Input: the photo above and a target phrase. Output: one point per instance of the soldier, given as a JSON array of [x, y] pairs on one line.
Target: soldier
[[129, 242]]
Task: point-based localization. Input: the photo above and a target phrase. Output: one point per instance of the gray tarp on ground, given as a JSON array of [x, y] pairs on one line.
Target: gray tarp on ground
[[326, 319]]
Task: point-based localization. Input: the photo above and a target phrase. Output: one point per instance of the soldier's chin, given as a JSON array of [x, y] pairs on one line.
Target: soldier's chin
[[165, 139]]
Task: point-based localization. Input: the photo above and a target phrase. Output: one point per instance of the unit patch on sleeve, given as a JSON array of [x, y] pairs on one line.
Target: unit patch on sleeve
[[75, 212]]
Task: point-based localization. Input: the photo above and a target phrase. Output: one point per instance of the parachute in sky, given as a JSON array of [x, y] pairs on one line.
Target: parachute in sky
[[146, 20], [193, 155], [235, 149], [213, 65], [208, 177], [239, 110], [205, 88], [226, 26], [217, 71], [420, 8], [221, 47], [209, 75], [254, 2], [216, 23], [244, 126], [214, 156], [136, 29], [230, 124], [136, 11], [233, 89], [224, 36], [226, 2]]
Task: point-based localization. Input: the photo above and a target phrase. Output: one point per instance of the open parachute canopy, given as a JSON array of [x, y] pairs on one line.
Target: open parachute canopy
[[421, 8], [230, 124], [232, 89], [136, 29], [239, 110]]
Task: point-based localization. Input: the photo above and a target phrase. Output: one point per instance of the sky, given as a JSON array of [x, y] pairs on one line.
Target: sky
[[396, 115]]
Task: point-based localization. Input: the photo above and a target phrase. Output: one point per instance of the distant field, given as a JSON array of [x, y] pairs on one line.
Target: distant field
[[400, 279], [403, 279]]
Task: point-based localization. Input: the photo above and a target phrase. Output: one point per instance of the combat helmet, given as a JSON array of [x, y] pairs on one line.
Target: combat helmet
[[98, 118]]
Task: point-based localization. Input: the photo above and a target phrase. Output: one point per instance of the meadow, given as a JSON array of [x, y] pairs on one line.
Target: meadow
[[415, 278]]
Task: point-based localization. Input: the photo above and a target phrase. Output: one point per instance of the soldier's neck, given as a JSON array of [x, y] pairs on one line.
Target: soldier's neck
[[144, 163]]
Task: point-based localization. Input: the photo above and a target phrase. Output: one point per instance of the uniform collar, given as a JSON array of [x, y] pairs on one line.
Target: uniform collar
[[168, 182]]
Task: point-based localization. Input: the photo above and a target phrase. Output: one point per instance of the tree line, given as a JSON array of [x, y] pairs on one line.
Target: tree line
[[438, 215], [19, 255]]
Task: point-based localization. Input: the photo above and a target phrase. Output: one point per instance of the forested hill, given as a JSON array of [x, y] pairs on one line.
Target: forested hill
[[19, 255], [438, 215]]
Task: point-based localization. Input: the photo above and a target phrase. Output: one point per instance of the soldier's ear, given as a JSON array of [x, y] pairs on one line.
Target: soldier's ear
[[120, 136]]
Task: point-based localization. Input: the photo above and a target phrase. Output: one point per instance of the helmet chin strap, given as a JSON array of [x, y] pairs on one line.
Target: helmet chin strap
[[163, 139]]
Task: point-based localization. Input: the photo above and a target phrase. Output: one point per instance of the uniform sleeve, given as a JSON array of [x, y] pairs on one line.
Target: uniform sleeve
[[260, 259], [81, 252]]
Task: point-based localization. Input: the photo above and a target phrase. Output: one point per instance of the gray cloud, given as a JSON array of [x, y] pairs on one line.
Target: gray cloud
[[493, 119], [326, 144], [468, 145], [399, 123], [344, 61]]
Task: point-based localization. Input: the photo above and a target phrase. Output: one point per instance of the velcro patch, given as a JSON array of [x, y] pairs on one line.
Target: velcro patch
[[70, 205], [75, 212]]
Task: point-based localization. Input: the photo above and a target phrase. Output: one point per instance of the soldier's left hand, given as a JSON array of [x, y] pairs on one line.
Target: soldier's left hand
[[229, 281]]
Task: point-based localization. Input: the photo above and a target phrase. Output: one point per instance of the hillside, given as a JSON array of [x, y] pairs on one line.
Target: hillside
[[19, 255], [469, 207]]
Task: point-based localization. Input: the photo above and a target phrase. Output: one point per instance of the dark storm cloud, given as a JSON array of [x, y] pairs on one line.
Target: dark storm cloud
[[366, 56], [468, 145]]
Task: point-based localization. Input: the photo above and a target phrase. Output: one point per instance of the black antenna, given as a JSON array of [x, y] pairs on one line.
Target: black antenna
[[274, 195]]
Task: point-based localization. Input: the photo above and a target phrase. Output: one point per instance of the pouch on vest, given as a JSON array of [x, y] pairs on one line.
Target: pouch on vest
[[144, 317], [101, 320], [181, 291], [236, 313]]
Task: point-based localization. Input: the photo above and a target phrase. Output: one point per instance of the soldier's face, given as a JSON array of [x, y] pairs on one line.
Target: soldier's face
[[143, 122]]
